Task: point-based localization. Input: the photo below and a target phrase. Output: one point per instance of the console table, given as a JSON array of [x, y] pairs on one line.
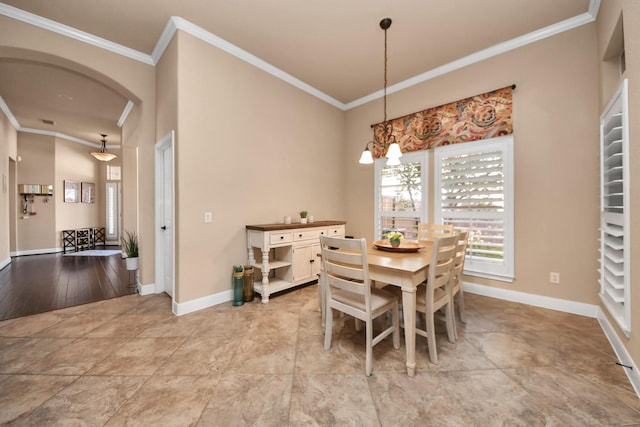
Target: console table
[[286, 255]]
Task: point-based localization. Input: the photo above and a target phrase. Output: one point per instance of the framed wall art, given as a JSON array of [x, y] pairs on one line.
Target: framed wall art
[[71, 191], [88, 192]]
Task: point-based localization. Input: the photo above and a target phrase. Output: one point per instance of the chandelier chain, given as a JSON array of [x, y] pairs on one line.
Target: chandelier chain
[[385, 77]]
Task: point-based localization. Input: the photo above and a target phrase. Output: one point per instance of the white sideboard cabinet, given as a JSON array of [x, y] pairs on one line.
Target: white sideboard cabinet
[[286, 255]]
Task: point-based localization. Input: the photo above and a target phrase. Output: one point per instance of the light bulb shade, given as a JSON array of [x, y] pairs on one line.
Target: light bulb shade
[[103, 156], [102, 153], [394, 152], [393, 161], [366, 158]]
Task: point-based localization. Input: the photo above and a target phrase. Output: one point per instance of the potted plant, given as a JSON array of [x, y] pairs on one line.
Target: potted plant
[[303, 217], [394, 238], [130, 248]]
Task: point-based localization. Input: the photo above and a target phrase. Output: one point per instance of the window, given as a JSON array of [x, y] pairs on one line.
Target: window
[[113, 212], [615, 265], [474, 192], [113, 173], [400, 195]]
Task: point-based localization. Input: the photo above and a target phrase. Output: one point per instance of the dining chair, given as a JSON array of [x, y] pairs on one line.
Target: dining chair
[[429, 232], [435, 294], [347, 288], [457, 291]]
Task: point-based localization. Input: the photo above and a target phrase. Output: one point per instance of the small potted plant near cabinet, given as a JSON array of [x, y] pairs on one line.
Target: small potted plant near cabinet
[[130, 247], [303, 217]]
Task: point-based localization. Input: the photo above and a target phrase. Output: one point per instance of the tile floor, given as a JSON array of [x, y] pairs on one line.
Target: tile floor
[[129, 361]]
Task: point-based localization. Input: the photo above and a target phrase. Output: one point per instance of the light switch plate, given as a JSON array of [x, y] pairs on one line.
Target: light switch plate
[[208, 217]]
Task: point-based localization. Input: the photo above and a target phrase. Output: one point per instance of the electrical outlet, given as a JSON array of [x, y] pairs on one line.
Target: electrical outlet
[[208, 217], [554, 278]]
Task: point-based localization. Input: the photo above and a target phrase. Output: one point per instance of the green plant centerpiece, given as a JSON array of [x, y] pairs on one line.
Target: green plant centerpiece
[[303, 217], [394, 238], [130, 248]]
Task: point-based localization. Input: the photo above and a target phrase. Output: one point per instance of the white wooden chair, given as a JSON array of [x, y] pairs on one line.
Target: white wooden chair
[[429, 232], [435, 293], [457, 291], [348, 289]]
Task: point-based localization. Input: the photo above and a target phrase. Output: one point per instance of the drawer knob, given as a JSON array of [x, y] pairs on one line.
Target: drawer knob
[[299, 235], [281, 237]]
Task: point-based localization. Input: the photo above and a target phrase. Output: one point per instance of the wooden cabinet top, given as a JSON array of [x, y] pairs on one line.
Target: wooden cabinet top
[[282, 226]]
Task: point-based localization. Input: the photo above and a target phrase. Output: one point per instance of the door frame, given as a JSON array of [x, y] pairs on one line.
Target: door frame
[[162, 147]]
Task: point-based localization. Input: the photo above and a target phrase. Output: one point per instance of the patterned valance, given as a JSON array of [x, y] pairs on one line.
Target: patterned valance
[[480, 117]]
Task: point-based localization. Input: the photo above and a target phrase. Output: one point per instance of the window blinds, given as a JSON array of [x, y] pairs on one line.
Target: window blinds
[[614, 210], [474, 193]]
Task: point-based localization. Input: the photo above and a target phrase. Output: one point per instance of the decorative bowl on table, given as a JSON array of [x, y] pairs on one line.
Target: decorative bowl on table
[[405, 246]]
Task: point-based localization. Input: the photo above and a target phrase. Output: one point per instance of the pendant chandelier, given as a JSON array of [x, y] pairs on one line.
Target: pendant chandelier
[[388, 140], [103, 155]]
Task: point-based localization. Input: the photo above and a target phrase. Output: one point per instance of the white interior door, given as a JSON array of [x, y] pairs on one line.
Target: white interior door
[[164, 215]]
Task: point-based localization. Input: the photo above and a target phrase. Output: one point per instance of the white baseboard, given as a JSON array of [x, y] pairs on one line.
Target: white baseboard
[[146, 289], [37, 252], [201, 303], [582, 309], [5, 262], [623, 355]]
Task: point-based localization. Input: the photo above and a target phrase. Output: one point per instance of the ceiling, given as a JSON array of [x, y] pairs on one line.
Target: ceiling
[[334, 46]]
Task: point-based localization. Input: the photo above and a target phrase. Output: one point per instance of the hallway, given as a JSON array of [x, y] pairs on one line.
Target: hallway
[[40, 283]]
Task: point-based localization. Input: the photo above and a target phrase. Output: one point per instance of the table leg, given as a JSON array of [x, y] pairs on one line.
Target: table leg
[[409, 314]]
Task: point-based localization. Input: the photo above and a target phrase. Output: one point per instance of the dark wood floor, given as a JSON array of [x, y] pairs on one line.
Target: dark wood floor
[[39, 283]]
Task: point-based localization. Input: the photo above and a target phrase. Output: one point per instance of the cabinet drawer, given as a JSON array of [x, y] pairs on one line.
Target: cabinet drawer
[[276, 238], [309, 234], [336, 231]]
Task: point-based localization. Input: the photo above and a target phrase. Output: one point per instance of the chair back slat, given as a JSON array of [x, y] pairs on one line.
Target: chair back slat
[[345, 265], [430, 232], [441, 265], [458, 261]]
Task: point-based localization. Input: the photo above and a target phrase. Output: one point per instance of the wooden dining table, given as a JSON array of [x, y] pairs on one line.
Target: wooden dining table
[[405, 270]]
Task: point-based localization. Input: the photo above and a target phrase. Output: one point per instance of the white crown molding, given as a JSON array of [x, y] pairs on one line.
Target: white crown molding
[[65, 30], [63, 136], [164, 40], [125, 113], [479, 56], [174, 23], [7, 112], [594, 7]]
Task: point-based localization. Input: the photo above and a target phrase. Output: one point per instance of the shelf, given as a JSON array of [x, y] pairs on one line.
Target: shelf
[[275, 285], [272, 264]]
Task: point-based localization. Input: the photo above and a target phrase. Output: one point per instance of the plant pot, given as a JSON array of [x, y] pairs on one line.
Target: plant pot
[[132, 263], [394, 242], [303, 220]]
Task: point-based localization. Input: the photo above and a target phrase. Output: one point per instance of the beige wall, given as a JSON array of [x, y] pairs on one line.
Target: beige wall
[[610, 11], [250, 149], [35, 232], [555, 124]]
